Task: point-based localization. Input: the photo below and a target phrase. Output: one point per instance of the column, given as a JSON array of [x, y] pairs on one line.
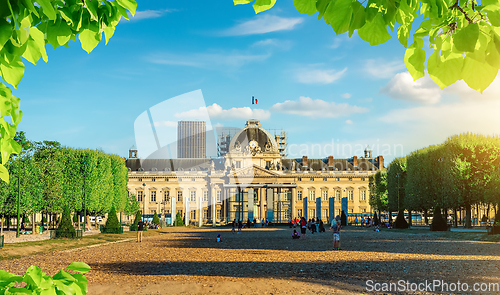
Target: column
[[262, 206], [270, 204], [294, 199], [250, 203], [144, 201], [185, 195], [304, 207], [331, 208], [200, 206], [213, 205], [318, 206], [173, 209]]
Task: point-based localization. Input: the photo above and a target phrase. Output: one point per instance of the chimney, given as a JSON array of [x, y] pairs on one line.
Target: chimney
[[380, 162], [355, 162], [330, 161], [304, 161]]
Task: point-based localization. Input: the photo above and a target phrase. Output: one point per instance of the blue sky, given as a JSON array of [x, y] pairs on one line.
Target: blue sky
[[334, 95]]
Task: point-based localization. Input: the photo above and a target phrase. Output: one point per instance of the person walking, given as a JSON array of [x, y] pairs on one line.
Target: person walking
[[140, 229], [303, 227], [336, 235]]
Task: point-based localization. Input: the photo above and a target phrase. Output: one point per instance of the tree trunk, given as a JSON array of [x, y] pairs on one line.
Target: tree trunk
[[455, 220], [1, 226], [467, 215], [410, 221], [79, 219], [33, 224], [426, 217]]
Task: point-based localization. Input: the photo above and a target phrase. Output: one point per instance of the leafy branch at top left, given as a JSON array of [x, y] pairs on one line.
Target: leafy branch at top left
[[26, 26]]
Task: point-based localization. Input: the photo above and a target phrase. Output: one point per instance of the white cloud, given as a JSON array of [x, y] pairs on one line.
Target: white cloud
[[382, 69], [447, 119], [349, 122], [263, 24], [336, 42], [466, 93], [314, 76], [282, 44], [318, 108], [215, 111], [207, 60], [402, 86], [146, 14], [165, 123], [346, 95]]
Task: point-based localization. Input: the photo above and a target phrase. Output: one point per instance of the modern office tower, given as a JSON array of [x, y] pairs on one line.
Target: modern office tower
[[191, 139]]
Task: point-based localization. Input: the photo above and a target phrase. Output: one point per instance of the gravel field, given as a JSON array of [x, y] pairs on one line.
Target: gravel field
[[268, 261]]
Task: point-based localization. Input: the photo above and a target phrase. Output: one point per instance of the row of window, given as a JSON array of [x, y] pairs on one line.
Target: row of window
[[324, 195], [166, 196], [324, 212], [238, 165]]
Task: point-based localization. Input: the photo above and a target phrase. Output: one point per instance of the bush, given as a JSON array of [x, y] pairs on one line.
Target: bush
[[343, 219], [44, 219], [178, 220], [112, 224], [138, 218], [75, 217], [66, 229], [484, 219], [400, 221], [156, 219], [438, 222]]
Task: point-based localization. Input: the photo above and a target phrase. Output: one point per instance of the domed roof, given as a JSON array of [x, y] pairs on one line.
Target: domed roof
[[255, 139]]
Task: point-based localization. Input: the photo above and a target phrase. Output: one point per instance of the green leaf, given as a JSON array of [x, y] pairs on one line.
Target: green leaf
[[358, 19], [478, 75], [493, 14], [7, 277], [89, 38], [321, 6], [375, 32], [13, 71], [79, 267], [305, 6], [4, 175], [108, 33], [81, 281], [33, 276], [92, 6], [47, 9], [64, 276], [415, 59], [445, 72], [338, 15], [492, 56], [5, 32], [263, 5], [236, 2], [465, 39], [130, 5], [39, 38]]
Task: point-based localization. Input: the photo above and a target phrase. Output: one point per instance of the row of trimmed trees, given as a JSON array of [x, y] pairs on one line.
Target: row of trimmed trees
[[47, 176], [461, 173]]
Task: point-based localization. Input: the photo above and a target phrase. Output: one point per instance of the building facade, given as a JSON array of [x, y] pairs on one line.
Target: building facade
[[253, 181], [191, 139]]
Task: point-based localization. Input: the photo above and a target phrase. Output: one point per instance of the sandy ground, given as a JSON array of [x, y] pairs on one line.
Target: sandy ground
[[268, 261]]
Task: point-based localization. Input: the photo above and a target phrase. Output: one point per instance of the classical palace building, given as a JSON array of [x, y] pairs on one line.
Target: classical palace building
[[253, 180]]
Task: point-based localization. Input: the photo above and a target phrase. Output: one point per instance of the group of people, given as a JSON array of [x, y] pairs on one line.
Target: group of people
[[304, 225]]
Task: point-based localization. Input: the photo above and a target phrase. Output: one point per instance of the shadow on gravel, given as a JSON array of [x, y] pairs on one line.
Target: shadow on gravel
[[352, 239], [354, 273]]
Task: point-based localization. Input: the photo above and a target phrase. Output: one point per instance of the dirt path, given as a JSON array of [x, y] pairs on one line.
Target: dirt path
[[268, 261]]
